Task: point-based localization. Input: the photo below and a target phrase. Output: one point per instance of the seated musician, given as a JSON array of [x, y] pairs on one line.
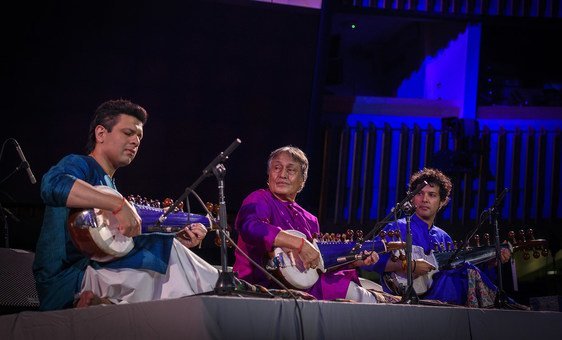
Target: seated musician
[[267, 215], [464, 285], [154, 269]]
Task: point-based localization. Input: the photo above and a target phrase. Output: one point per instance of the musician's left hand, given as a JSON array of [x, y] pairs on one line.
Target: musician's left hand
[[372, 257], [192, 235], [421, 267], [505, 255]]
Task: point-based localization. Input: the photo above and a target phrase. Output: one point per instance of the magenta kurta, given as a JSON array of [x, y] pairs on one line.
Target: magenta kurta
[[261, 217]]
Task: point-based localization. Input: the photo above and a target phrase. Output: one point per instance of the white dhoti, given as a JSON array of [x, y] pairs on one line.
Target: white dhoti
[[359, 294], [187, 274]]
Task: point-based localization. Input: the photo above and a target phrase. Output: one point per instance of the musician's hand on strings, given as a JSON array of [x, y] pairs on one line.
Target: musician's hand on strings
[[192, 235], [309, 255], [505, 255], [128, 218], [298, 247], [421, 267], [371, 258]]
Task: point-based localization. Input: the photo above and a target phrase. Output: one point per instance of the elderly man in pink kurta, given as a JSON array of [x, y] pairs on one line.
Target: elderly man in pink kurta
[[267, 214]]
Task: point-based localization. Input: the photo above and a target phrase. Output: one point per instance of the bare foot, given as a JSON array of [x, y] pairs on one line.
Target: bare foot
[[88, 298]]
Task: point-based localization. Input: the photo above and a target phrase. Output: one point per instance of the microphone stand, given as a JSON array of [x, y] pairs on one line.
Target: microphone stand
[[23, 165], [463, 245], [469, 236], [225, 283], [494, 212], [410, 296], [222, 157], [399, 207], [6, 228]]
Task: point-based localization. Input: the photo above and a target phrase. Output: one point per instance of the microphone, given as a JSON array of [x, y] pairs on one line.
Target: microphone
[[405, 204], [499, 199], [420, 186], [222, 157], [350, 258], [24, 163]]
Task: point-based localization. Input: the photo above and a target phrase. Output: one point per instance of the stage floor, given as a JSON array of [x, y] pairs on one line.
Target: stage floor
[[227, 317]]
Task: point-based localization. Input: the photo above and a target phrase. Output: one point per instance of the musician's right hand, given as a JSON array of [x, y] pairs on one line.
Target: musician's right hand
[[129, 220], [298, 246], [309, 255], [422, 267]]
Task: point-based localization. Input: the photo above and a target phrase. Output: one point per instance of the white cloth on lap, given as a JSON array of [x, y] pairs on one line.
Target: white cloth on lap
[[187, 274], [359, 294]]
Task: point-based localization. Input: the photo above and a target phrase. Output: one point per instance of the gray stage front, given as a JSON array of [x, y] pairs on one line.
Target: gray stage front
[[214, 317]]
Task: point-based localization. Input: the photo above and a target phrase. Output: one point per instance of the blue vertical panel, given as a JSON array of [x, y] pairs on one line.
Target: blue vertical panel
[[509, 168], [392, 170], [522, 174], [538, 206], [348, 179], [545, 209], [474, 33], [493, 164]]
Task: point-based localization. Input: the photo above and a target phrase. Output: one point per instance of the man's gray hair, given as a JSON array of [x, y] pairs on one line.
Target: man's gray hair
[[298, 156]]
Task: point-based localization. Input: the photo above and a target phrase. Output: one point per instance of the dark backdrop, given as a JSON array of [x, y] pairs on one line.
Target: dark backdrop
[[206, 71]]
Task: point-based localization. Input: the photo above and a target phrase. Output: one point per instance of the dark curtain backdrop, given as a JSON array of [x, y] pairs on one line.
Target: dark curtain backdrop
[[207, 72]]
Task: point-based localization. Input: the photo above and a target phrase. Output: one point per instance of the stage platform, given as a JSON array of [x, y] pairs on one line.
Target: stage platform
[[227, 317]]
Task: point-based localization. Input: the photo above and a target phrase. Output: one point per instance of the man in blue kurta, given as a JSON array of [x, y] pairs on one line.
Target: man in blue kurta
[[64, 276], [464, 285]]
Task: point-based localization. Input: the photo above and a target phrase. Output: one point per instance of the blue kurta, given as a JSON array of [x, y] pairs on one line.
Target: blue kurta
[[449, 286], [59, 266]]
